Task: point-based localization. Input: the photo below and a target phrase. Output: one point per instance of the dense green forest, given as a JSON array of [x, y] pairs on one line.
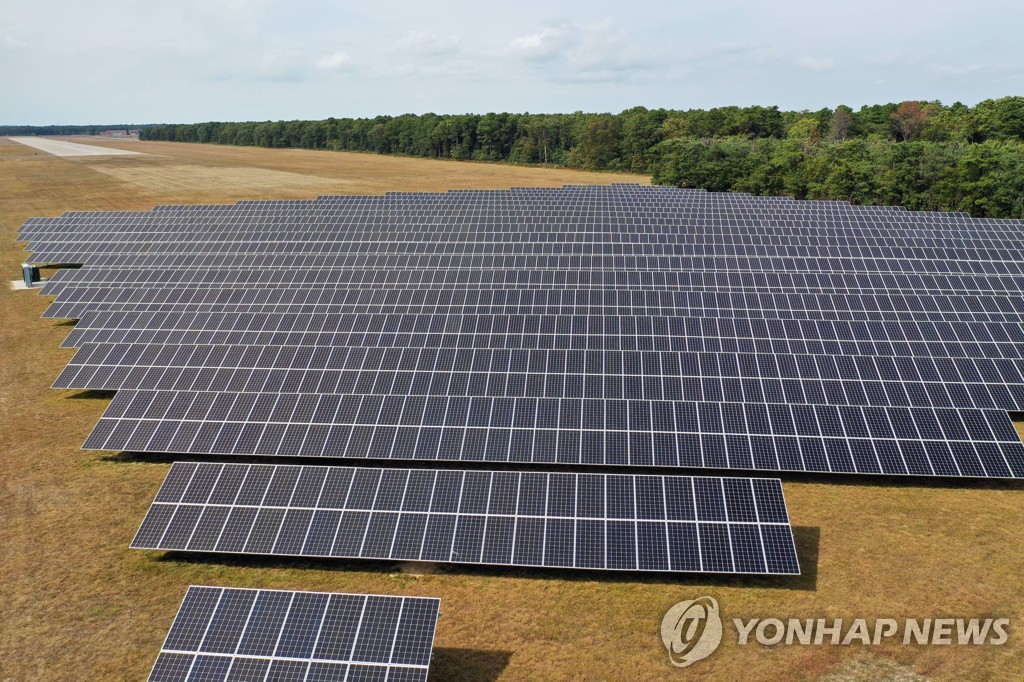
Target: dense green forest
[[923, 155], [64, 130]]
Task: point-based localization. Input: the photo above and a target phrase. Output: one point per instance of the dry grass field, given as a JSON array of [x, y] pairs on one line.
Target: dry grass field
[[11, 149], [77, 604]]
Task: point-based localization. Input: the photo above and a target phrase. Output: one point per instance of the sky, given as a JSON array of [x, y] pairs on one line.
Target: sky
[[132, 61]]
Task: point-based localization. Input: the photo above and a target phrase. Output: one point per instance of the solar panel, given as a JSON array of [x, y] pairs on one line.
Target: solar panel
[[919, 338], [566, 520], [424, 364], [223, 633], [642, 433], [319, 291], [804, 335]]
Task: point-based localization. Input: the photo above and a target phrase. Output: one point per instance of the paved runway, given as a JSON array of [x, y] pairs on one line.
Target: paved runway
[[62, 148]]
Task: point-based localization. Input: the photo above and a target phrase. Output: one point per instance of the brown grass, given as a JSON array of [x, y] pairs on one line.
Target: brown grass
[[173, 179], [76, 603], [9, 149]]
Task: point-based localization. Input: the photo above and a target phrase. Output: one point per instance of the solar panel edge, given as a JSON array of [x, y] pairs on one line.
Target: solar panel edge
[[98, 440], [793, 561]]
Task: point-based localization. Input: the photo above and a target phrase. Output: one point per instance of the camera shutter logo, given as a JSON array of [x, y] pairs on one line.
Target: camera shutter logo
[[691, 631]]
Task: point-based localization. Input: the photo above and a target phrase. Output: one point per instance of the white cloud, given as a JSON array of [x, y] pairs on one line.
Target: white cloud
[[429, 44], [569, 52], [336, 61], [12, 42], [546, 43], [817, 63]]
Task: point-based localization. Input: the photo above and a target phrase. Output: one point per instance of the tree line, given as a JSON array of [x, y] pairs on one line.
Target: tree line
[[922, 155]]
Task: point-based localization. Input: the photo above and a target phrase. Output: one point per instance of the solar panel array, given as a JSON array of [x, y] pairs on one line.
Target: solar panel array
[[624, 325], [594, 521], [641, 326], [223, 634]]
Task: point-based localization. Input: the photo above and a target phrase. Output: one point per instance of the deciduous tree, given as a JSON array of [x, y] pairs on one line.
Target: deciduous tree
[[910, 118]]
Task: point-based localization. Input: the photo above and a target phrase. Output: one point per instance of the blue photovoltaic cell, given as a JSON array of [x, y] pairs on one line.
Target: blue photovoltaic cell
[[223, 634], [596, 521]]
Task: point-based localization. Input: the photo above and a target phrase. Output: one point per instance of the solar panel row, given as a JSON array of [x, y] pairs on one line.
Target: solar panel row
[[319, 297], [906, 337], [719, 377], [701, 279], [531, 445], [902, 304], [594, 521]]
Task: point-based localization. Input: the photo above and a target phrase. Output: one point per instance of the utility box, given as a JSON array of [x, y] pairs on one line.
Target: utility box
[[31, 274]]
